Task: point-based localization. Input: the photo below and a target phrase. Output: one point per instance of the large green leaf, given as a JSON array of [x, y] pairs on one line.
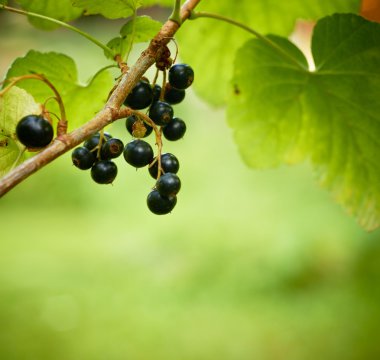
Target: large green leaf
[[81, 102], [139, 29], [209, 45], [61, 10], [282, 113], [112, 9], [14, 105]]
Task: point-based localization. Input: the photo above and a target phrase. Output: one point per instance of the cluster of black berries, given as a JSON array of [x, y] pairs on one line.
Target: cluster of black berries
[[98, 151]]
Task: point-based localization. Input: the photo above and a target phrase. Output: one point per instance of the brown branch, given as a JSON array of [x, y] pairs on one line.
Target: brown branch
[[107, 115]]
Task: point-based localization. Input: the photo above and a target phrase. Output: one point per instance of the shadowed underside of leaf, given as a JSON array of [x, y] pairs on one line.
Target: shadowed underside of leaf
[[281, 113]]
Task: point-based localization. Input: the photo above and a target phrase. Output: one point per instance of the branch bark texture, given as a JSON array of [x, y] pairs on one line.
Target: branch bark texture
[[110, 112]]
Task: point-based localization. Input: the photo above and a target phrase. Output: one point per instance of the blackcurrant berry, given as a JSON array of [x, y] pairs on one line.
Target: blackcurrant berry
[[34, 131], [83, 158], [172, 95], [93, 141], [156, 92], [111, 149], [104, 172], [159, 204], [169, 164], [168, 184], [140, 97], [175, 129], [181, 76], [161, 113], [137, 128], [138, 153]]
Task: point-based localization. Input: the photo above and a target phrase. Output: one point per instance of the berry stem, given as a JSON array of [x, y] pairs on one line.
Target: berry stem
[[162, 94], [61, 23], [203, 14], [176, 13], [62, 123]]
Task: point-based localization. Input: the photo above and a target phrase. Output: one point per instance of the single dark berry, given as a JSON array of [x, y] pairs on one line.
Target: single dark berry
[[169, 164], [161, 113], [168, 184], [83, 158], [137, 127], [104, 172], [172, 95], [111, 149], [174, 130], [159, 204], [140, 97], [181, 76], [34, 131], [138, 153], [156, 92], [93, 141]]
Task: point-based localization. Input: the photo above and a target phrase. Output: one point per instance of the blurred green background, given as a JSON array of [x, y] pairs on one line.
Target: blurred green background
[[250, 265]]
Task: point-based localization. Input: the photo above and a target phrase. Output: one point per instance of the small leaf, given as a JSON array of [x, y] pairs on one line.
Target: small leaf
[[140, 29], [210, 46], [112, 9], [81, 102], [14, 105], [60, 10], [330, 116]]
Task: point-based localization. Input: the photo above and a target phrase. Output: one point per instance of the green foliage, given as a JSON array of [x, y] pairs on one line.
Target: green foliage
[[139, 29], [14, 105], [113, 9], [81, 102], [331, 116], [61, 10], [216, 42]]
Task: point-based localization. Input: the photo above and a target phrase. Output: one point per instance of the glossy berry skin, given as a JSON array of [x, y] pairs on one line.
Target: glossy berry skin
[[168, 184], [138, 153], [174, 130], [137, 128], [140, 97], [111, 149], [172, 95], [34, 131], [104, 172], [169, 164], [156, 92], [181, 76], [93, 141], [161, 113], [83, 158], [160, 205]]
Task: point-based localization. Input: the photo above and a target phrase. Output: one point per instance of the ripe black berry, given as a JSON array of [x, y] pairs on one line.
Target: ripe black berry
[[111, 149], [156, 92], [172, 95], [34, 131], [140, 97], [104, 172], [175, 129], [161, 113], [83, 158], [159, 204], [93, 141], [169, 164], [181, 76], [137, 128], [138, 153], [168, 184]]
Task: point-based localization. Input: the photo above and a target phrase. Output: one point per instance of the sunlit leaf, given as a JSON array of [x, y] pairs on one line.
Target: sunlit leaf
[[112, 9]]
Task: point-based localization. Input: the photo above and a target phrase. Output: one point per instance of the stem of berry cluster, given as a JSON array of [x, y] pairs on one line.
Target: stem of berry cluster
[[110, 112]]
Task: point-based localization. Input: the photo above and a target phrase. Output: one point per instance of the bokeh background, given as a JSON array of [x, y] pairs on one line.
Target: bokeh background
[[250, 265]]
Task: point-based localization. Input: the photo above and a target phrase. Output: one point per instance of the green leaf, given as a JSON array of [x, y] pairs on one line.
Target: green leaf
[[81, 102], [14, 105], [61, 10], [140, 29], [112, 9], [281, 113], [210, 45], [165, 3]]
